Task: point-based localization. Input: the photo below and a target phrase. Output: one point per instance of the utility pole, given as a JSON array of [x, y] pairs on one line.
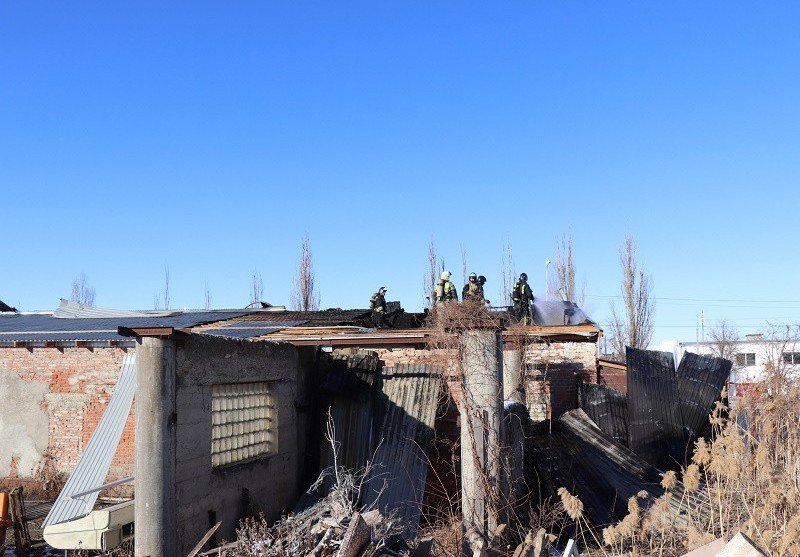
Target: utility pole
[[702, 328]]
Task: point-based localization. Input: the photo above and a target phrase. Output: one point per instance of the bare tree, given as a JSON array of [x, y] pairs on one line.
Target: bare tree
[[562, 286], [634, 327], [166, 286], [464, 273], [781, 343], [434, 263], [507, 272], [256, 287], [82, 292], [305, 296], [724, 340], [207, 297], [161, 299]]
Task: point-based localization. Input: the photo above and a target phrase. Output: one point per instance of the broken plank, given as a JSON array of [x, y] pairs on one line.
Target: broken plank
[[204, 539]]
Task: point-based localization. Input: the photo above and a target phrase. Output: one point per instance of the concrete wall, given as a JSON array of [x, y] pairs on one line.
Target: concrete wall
[[51, 400], [272, 482]]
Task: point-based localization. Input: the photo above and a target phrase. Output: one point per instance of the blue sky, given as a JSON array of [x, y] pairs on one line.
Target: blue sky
[[211, 137]]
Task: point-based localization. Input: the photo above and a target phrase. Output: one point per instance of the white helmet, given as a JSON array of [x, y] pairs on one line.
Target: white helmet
[[446, 275]]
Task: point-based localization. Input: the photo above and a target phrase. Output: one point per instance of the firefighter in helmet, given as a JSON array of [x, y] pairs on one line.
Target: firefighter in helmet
[[473, 290], [445, 291], [522, 296]]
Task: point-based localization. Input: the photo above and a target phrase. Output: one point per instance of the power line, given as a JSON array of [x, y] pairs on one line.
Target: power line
[[657, 298]]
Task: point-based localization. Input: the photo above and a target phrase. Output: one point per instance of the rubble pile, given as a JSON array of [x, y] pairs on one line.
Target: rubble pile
[[332, 526]]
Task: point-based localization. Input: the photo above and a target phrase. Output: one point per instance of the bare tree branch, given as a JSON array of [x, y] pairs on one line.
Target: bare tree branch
[[431, 274], [507, 272], [634, 328], [207, 304], [161, 299], [166, 286], [82, 292], [464, 273], [256, 287], [305, 296], [562, 284], [724, 338]]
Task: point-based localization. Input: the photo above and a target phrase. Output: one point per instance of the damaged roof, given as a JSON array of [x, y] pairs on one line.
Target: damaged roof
[[75, 323]]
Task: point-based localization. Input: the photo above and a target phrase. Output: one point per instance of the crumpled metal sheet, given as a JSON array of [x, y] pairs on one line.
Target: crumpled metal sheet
[[700, 383], [607, 407]]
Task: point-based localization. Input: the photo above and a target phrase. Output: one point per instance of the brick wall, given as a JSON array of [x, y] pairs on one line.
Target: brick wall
[[613, 376], [65, 390], [552, 373]]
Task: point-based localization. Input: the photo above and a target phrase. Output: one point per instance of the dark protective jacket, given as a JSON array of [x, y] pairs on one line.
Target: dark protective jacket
[[522, 292], [377, 302], [472, 290]]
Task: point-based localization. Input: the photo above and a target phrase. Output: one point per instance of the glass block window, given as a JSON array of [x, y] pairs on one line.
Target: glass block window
[[242, 422]]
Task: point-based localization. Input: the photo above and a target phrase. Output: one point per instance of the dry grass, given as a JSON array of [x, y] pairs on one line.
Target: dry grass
[[746, 478]]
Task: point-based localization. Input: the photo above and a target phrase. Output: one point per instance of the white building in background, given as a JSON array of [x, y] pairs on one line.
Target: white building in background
[[751, 357]]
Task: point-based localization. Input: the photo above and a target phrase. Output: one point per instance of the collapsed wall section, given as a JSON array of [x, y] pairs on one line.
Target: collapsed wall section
[[551, 370]]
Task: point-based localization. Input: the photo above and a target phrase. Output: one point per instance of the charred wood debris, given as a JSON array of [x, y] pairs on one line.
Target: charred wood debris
[[613, 447]]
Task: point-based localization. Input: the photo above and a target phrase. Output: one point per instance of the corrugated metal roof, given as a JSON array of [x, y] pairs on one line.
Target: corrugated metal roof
[[75, 336], [68, 309], [96, 458], [38, 326], [397, 483]]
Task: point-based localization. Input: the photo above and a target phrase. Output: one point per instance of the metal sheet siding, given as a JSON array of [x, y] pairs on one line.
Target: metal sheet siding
[[397, 483], [700, 382], [96, 458], [654, 420], [348, 382]]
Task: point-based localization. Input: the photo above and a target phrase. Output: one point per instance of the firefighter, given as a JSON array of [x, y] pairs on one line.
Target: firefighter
[[522, 296], [482, 281], [445, 291], [377, 303], [473, 290]]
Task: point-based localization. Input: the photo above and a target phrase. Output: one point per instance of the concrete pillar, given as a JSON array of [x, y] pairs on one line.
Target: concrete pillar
[[481, 429], [516, 416], [155, 448], [513, 377]]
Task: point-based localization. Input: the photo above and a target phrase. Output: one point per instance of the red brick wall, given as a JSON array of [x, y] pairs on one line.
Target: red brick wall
[[613, 377], [80, 383]]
